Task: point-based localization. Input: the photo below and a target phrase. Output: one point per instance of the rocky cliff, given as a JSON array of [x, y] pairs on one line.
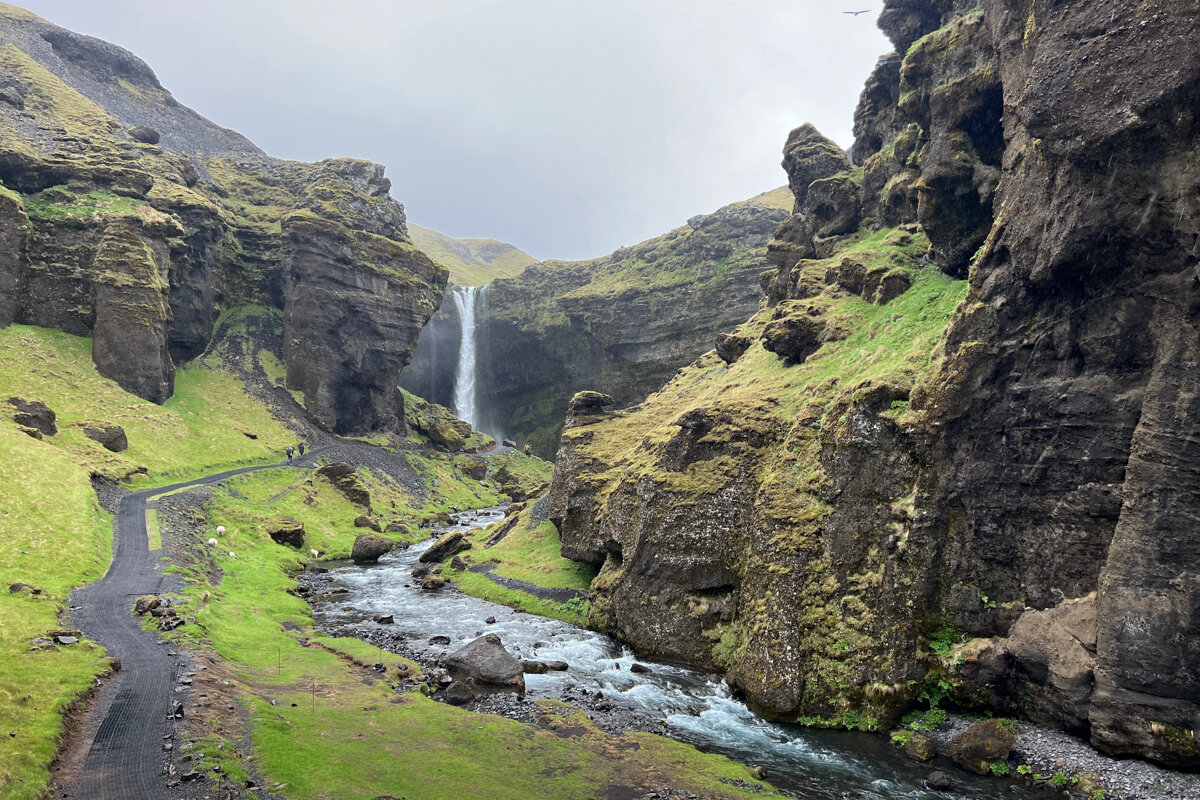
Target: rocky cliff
[[625, 322], [954, 456], [129, 218]]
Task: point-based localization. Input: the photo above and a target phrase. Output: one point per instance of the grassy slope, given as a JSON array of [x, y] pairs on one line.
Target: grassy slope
[[53, 535], [199, 430], [362, 738], [472, 262]]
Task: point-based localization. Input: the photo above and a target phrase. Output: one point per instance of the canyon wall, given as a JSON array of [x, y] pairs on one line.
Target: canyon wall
[[129, 218], [953, 458]]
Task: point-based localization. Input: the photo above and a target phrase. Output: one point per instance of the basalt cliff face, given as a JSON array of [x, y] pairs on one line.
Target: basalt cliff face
[[956, 454], [129, 218], [625, 322]]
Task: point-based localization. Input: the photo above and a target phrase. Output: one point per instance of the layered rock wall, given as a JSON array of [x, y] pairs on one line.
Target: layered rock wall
[[129, 218]]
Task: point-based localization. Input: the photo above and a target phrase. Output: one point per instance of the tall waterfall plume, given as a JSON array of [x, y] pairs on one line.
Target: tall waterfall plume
[[465, 300]]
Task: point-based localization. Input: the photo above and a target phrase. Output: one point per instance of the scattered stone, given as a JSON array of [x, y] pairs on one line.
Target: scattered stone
[[458, 563], [730, 347], [15, 588], [111, 437], [509, 443], [440, 640], [384, 619], [287, 531], [36, 415], [32, 433], [396, 526], [490, 621], [981, 745], [640, 669], [557, 666], [147, 603], [920, 748], [939, 781], [534, 667], [458, 693], [365, 521], [449, 545], [65, 639], [368, 548], [144, 134], [433, 582], [345, 479]]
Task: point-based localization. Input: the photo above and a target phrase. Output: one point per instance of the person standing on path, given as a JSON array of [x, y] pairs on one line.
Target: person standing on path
[[290, 450], [301, 447]]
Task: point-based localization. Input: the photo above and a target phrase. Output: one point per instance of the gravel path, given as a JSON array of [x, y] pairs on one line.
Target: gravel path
[[125, 759]]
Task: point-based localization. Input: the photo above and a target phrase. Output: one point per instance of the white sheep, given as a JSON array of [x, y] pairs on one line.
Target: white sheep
[[220, 530], [212, 542], [314, 553], [232, 555]]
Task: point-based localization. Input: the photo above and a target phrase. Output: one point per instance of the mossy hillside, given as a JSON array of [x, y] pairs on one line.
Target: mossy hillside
[[202, 429], [472, 262], [777, 434], [362, 738], [53, 536], [781, 198]]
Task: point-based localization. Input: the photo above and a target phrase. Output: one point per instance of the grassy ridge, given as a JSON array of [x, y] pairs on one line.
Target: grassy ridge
[[472, 262]]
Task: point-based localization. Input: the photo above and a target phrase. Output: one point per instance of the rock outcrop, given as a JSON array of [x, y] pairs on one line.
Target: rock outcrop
[[969, 466], [625, 322], [129, 218]]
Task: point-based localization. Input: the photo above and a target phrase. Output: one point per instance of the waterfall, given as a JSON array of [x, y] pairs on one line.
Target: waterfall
[[464, 381]]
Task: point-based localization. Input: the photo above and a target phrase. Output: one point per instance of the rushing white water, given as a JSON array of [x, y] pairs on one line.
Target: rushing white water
[[465, 298], [692, 706]]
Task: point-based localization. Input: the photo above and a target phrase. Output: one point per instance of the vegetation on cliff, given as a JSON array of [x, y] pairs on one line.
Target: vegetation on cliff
[[472, 262]]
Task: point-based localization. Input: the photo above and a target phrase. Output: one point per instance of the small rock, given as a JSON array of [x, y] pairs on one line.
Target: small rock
[[440, 640], [534, 667], [146, 603], [14, 588], [364, 521], [939, 781], [384, 619], [286, 531], [144, 134], [640, 669], [981, 745], [65, 640], [34, 415], [458, 693], [490, 621], [449, 545], [557, 666], [433, 582], [920, 748]]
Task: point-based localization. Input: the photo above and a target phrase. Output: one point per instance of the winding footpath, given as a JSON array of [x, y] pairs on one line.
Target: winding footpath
[[124, 760]]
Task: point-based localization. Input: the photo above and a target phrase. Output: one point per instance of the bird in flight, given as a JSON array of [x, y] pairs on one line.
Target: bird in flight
[[856, 13]]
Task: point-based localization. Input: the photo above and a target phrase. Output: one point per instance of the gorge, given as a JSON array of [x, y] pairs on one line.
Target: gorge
[[878, 485]]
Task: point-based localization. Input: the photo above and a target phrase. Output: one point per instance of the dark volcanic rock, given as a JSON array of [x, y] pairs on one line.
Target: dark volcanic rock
[[484, 663], [794, 336], [981, 745], [142, 133], [368, 548], [344, 478], [34, 414], [449, 545], [287, 531], [112, 437], [730, 347], [920, 748], [365, 521]]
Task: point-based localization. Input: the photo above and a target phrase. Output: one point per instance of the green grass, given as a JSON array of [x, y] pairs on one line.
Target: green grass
[[54, 536], [153, 534], [201, 429], [362, 739]]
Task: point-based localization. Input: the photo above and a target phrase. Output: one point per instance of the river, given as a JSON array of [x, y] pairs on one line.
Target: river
[[690, 705]]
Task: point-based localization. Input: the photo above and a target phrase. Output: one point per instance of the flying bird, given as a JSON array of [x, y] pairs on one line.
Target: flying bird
[[856, 13]]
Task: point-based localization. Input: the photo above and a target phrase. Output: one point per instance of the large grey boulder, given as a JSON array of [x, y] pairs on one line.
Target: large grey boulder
[[369, 547], [485, 665]]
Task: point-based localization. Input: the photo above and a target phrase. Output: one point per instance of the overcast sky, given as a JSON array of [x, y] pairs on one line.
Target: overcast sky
[[568, 128]]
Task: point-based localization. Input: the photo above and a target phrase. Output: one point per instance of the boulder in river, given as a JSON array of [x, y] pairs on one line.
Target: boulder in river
[[439, 640], [640, 669], [981, 745], [920, 748], [534, 667], [484, 663], [939, 781], [368, 548], [433, 582], [449, 545]]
